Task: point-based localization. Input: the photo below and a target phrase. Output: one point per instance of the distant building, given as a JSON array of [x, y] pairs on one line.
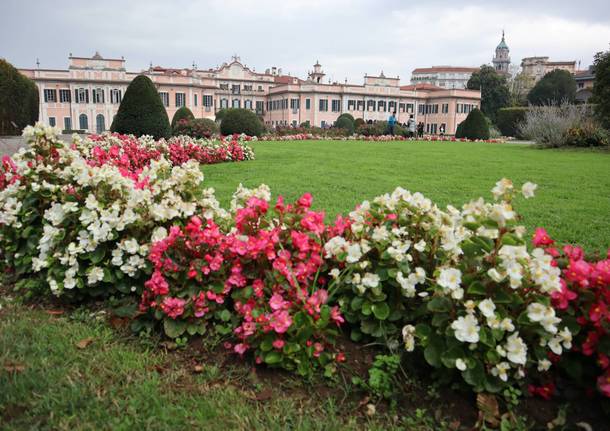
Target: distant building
[[87, 95], [449, 77], [501, 60], [584, 84], [537, 67]]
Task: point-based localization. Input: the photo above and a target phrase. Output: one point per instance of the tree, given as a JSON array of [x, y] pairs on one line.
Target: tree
[[241, 121], [183, 113], [475, 126], [141, 112], [494, 90], [509, 120], [19, 102], [601, 87], [554, 88]]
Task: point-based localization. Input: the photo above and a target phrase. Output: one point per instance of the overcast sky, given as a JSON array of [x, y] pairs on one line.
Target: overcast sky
[[348, 37]]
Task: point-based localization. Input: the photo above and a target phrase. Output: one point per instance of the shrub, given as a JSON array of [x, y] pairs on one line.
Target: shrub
[[588, 134], [509, 120], [19, 102], [345, 122], [183, 113], [199, 128], [359, 122], [460, 285], [475, 126], [548, 125], [241, 121], [305, 124], [141, 111], [459, 131], [221, 114]]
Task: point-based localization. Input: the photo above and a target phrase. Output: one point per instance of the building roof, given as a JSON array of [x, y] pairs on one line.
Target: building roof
[[502, 44], [561, 63], [435, 69], [415, 87], [286, 79]]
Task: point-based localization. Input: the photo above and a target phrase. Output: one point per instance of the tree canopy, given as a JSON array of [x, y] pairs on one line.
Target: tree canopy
[[495, 93], [601, 87], [19, 100], [554, 88]]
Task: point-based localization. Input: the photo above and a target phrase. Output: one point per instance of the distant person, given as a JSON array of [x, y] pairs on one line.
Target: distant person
[[392, 123], [411, 126], [441, 130], [420, 130]]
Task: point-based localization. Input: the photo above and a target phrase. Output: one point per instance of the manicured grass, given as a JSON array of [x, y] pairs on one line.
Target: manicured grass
[[572, 201], [118, 383]]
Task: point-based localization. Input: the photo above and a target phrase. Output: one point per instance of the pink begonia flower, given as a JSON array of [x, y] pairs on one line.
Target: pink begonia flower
[[603, 384], [541, 238], [578, 272], [173, 307], [157, 284], [279, 343], [305, 200], [277, 302], [561, 299], [280, 321], [240, 348], [335, 315], [574, 253], [317, 299], [313, 222]]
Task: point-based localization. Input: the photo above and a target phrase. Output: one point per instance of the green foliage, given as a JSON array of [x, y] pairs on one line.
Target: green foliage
[[141, 111], [221, 114], [241, 121], [196, 128], [19, 100], [306, 124], [495, 93], [509, 119], [382, 376], [601, 87], [346, 122], [475, 126], [347, 115], [554, 88], [359, 122], [183, 113], [587, 134]]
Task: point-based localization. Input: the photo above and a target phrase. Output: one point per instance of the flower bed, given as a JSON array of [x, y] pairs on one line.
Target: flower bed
[[356, 137], [458, 288]]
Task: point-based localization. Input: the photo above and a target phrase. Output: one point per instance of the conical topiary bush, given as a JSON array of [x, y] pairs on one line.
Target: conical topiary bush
[[141, 112], [475, 126], [183, 113]]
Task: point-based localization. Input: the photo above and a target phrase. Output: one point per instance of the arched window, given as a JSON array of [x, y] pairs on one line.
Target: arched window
[[83, 122], [236, 103], [100, 125]]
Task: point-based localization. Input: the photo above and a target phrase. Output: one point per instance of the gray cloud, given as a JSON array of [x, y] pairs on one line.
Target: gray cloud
[[350, 38]]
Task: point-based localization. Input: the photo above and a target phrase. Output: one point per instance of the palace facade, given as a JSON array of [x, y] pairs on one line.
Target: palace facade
[[87, 95]]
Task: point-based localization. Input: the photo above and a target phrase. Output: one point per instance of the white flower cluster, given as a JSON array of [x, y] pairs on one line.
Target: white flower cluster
[[97, 208], [242, 194]]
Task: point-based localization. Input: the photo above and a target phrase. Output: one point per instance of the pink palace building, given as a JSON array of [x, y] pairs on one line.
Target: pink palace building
[[87, 95]]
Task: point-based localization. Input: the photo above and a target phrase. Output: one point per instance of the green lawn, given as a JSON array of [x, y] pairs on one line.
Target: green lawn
[[572, 201]]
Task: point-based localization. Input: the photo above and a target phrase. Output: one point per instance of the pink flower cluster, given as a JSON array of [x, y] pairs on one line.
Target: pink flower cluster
[[268, 271], [585, 294], [8, 172]]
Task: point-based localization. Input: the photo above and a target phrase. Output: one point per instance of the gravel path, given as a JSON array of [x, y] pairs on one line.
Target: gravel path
[[11, 144]]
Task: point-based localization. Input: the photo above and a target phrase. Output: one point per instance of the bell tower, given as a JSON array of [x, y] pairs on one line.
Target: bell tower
[[501, 61], [317, 74]]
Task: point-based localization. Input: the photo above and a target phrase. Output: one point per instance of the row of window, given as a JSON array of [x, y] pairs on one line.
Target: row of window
[[81, 95], [434, 129], [465, 108], [83, 123], [236, 88], [433, 108]]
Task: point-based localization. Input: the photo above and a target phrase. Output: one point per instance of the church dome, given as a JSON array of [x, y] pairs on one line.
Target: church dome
[[502, 44]]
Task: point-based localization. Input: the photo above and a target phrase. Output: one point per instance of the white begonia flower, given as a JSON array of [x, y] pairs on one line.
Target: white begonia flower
[[420, 246], [131, 246], [507, 325], [528, 189], [516, 349], [158, 234], [535, 311], [408, 336], [544, 365], [500, 370], [354, 253], [502, 187], [487, 308], [380, 233], [466, 329], [470, 306], [449, 278], [495, 275], [334, 273], [460, 364], [370, 280], [95, 275]]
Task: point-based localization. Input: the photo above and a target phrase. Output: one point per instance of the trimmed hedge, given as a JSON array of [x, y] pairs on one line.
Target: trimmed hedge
[[475, 126], [141, 112], [183, 113], [508, 120], [346, 122], [18, 100], [196, 128], [241, 121], [221, 114]]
